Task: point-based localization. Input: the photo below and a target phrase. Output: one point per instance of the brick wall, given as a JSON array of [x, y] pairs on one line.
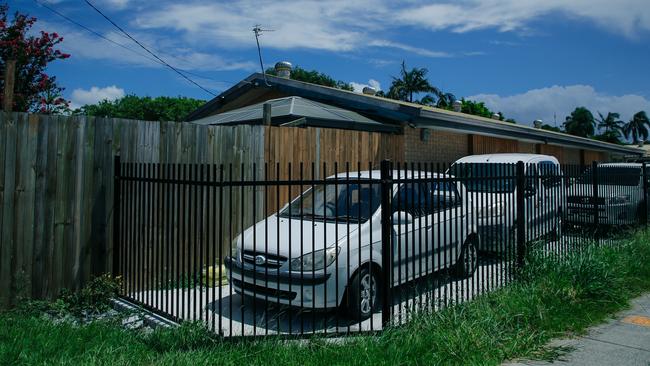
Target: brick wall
[[527, 147], [572, 156], [439, 147]]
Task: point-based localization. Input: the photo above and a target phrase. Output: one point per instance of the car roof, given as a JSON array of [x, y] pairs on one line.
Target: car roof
[[376, 174], [505, 158], [626, 165]]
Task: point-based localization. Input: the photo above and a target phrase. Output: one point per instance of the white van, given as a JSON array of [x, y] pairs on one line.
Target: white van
[[325, 246], [491, 182]]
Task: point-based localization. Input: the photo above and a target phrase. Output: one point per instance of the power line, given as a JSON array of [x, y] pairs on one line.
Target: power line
[[97, 34], [147, 50], [93, 31]]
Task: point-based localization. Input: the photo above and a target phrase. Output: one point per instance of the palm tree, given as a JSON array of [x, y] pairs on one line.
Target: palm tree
[[410, 83], [613, 127], [637, 128], [611, 122], [446, 100], [580, 123]]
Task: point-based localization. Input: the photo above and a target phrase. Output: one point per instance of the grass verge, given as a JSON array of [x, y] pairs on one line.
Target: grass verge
[[551, 298]]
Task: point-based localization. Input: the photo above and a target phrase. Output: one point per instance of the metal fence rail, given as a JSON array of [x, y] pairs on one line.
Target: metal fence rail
[[357, 249]]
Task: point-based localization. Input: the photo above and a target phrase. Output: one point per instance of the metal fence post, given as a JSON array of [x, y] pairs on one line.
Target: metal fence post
[[386, 177], [521, 214], [644, 175], [116, 216], [594, 195]]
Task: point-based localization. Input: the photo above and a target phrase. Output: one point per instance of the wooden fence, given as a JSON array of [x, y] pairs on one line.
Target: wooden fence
[[56, 183]]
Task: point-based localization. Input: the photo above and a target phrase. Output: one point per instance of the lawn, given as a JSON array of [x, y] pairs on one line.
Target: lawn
[[551, 298]]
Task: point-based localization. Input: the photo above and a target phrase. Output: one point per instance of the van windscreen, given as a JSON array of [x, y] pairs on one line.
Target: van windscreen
[[613, 175], [486, 177]]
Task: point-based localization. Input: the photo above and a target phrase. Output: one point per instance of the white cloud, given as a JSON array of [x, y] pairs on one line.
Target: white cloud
[[349, 26], [358, 87], [560, 101], [622, 16], [81, 44], [328, 25], [331, 25], [95, 94], [404, 47], [116, 4]]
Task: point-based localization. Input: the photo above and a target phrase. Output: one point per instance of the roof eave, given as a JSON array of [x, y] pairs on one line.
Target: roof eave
[[448, 121]]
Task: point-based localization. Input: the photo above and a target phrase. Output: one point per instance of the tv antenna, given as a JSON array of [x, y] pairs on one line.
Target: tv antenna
[[257, 29]]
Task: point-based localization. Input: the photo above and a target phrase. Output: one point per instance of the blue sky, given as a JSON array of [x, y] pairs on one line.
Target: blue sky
[[528, 59]]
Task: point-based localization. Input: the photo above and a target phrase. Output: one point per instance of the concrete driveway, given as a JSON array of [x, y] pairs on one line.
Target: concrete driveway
[[230, 314]]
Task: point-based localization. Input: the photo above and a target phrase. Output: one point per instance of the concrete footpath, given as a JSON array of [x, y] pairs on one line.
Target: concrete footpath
[[623, 340]]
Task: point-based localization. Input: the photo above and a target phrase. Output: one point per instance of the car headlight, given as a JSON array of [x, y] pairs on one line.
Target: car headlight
[[619, 200], [238, 255], [313, 261], [495, 209], [236, 248]]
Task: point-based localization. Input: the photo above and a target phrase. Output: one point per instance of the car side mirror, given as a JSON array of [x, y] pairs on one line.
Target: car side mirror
[[402, 218]]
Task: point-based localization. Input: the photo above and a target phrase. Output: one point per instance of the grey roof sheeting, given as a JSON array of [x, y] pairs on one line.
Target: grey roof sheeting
[[415, 114], [290, 109]]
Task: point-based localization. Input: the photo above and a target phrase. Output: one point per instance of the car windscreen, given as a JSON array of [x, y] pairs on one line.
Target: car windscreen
[[354, 202], [485, 177], [613, 175]]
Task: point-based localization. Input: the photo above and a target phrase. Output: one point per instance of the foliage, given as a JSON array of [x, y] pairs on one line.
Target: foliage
[[580, 123], [613, 127], [93, 298], [34, 89], [412, 82], [552, 297], [143, 108], [314, 77], [548, 127], [475, 108], [637, 127]]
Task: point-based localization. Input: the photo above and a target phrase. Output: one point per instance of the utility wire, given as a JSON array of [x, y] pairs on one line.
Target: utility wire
[[147, 50], [94, 32]]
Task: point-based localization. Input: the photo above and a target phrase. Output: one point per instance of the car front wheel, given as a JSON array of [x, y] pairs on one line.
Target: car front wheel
[[468, 260], [363, 294]]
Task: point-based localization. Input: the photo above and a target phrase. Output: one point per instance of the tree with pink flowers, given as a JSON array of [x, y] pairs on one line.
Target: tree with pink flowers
[[34, 90]]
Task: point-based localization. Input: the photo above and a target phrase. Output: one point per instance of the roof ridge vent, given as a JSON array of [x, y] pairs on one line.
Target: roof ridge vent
[[369, 90], [283, 69]]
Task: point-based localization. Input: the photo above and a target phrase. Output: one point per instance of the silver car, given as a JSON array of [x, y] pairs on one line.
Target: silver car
[[620, 195], [323, 250]]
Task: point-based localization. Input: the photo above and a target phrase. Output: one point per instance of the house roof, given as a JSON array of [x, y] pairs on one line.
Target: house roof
[[395, 112], [298, 111]]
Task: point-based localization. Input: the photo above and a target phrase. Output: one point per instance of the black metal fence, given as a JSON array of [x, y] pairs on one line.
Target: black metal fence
[[330, 250]]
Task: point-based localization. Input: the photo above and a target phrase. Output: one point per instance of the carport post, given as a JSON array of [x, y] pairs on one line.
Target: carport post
[[644, 175], [594, 189], [521, 214], [386, 177]]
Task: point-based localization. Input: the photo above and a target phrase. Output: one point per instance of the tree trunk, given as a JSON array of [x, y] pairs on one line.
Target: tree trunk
[[10, 77]]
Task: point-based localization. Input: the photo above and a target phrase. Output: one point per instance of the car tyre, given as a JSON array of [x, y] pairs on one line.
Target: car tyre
[[556, 234], [467, 262], [641, 213], [363, 295]]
